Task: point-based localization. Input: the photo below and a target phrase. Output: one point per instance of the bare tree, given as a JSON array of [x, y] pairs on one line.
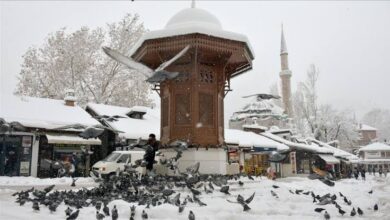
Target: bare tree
[[75, 61]]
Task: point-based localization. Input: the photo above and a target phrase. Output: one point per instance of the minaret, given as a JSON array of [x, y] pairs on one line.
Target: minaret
[[285, 76]]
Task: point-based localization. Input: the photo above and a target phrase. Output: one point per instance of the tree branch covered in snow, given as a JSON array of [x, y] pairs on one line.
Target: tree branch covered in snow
[[322, 122], [76, 61]]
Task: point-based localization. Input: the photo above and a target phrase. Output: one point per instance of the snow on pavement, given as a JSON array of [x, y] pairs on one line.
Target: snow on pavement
[[264, 206]]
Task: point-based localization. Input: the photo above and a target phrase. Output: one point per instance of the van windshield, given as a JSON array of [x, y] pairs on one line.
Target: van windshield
[[112, 157]]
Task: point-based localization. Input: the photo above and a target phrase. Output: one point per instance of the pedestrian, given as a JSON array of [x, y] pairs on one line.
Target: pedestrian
[[363, 174], [356, 173], [380, 171], [150, 152], [369, 170], [75, 161], [373, 171], [386, 171]]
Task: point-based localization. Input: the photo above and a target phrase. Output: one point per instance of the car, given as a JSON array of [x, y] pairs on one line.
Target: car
[[116, 162]]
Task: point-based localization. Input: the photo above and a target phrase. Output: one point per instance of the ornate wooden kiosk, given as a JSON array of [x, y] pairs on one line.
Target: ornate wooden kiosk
[[192, 106]]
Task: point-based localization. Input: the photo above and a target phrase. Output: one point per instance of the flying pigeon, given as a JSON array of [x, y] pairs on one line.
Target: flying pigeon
[[153, 76]]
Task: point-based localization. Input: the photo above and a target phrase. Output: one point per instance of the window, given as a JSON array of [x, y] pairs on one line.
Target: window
[[206, 75], [112, 157], [124, 158], [383, 154], [206, 109], [388, 154], [183, 109]]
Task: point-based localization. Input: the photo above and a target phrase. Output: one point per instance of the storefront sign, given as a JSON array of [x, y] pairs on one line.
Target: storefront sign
[[24, 168]]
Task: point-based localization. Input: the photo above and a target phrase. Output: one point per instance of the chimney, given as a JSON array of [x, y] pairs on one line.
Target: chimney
[[70, 98]]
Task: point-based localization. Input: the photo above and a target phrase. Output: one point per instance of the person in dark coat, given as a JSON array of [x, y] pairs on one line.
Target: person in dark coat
[[150, 151], [356, 173], [363, 174]]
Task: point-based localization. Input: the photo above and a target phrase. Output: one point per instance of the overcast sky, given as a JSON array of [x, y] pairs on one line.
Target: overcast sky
[[348, 41]]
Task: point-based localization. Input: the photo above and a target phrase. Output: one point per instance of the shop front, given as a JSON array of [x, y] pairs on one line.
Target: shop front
[[16, 154], [68, 149], [256, 160]]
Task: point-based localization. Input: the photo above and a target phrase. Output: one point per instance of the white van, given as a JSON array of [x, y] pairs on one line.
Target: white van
[[116, 161]]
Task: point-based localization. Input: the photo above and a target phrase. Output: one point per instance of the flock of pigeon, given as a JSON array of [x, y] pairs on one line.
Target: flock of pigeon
[[151, 191], [147, 191]]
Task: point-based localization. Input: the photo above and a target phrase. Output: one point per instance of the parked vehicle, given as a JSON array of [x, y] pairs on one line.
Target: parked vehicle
[[117, 161]]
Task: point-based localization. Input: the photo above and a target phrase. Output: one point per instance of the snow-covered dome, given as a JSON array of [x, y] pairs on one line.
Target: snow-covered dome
[[193, 16]]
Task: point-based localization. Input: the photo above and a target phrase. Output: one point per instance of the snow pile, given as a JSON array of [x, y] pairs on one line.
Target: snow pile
[[42, 112]]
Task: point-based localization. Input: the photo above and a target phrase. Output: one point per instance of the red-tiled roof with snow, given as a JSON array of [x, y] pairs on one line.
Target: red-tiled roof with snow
[[42, 112], [364, 127]]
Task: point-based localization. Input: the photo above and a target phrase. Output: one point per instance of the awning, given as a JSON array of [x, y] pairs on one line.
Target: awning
[[71, 139], [329, 159]]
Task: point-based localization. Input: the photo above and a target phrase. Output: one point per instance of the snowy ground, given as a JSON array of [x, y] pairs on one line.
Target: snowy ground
[[264, 206]]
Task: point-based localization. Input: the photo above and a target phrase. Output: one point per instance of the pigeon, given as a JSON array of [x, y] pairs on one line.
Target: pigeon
[[370, 192], [99, 216], [319, 209], [342, 212], [98, 206], [211, 186], [144, 215], [240, 183], [250, 177], [49, 188], [114, 213], [298, 191], [35, 206], [274, 194], [275, 186], [191, 216], [181, 208], [153, 76], [74, 215], [91, 132], [68, 211], [341, 194], [326, 215], [376, 207], [53, 207], [225, 189], [73, 182], [106, 210], [360, 212], [353, 212]]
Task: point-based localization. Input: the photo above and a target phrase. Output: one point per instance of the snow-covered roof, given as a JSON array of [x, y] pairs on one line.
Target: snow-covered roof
[[132, 128], [255, 126], [42, 112], [259, 108], [336, 152], [250, 139], [364, 127], [377, 146], [191, 21], [299, 146]]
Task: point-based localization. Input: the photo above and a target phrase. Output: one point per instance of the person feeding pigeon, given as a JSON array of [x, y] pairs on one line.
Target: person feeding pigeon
[[151, 148]]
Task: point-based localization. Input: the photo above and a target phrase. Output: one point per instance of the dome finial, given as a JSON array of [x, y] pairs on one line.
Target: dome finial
[[193, 4]]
